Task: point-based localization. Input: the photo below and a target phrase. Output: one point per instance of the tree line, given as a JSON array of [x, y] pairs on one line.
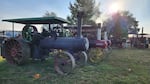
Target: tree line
[[117, 25]]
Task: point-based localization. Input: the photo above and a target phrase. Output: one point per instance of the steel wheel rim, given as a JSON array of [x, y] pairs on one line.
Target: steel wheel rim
[[14, 53], [64, 64], [81, 58], [96, 58]]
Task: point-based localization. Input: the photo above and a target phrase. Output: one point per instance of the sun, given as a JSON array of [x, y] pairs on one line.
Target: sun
[[114, 7]]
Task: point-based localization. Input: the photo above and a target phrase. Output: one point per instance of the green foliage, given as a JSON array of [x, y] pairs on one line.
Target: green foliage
[[129, 22], [132, 22], [49, 14], [71, 21], [90, 9]]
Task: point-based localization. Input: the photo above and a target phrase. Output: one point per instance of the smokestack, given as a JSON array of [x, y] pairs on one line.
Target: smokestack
[[99, 31], [79, 18], [142, 31], [105, 36]]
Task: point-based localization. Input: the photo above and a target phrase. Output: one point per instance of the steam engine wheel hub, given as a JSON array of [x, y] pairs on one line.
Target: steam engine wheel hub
[[16, 51], [13, 52]]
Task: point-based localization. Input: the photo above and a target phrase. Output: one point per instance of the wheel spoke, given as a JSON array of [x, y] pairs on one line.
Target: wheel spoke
[[96, 55], [81, 58], [64, 63], [16, 51], [13, 51]]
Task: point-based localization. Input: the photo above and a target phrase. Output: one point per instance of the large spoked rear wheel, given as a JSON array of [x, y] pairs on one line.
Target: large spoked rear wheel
[[81, 58], [64, 62], [16, 51]]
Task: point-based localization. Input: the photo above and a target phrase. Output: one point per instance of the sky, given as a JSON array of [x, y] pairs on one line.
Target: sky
[[10, 9]]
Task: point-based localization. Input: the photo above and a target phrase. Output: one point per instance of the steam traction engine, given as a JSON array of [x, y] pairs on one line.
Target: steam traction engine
[[98, 49], [35, 45]]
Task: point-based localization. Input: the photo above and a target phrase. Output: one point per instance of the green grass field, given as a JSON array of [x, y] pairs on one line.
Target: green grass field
[[123, 66]]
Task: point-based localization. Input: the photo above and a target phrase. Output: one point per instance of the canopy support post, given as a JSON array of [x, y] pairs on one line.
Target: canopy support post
[[13, 29], [49, 25]]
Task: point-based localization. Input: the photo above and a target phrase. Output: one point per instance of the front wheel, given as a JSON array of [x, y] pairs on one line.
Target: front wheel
[[64, 62], [96, 55], [81, 58]]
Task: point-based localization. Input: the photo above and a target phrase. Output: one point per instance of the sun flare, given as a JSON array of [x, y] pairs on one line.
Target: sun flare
[[114, 7]]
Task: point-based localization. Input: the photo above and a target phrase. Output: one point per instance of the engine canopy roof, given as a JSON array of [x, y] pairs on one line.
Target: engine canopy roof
[[38, 20]]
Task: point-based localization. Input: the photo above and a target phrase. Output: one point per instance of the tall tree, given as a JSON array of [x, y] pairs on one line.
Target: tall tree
[[119, 24], [132, 22], [117, 31], [47, 14], [90, 9]]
